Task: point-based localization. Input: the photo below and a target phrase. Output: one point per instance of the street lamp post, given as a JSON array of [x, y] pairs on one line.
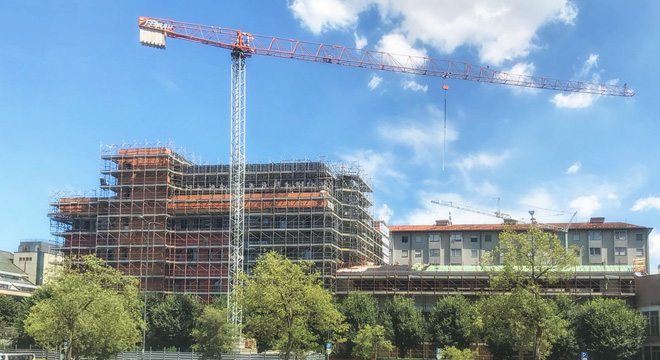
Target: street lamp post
[[146, 279]]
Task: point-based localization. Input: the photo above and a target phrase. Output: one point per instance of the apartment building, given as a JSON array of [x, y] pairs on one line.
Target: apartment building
[[36, 258], [600, 242]]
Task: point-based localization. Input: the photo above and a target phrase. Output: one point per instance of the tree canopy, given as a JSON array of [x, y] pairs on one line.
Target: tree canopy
[[213, 334], [404, 323], [609, 330], [91, 306], [285, 307], [452, 322], [520, 318], [370, 341], [171, 321]]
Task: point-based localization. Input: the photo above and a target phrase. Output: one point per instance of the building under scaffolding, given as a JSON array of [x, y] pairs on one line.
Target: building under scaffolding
[[429, 282], [164, 218]]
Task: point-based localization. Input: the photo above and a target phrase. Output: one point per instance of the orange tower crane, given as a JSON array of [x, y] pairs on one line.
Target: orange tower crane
[[242, 45]]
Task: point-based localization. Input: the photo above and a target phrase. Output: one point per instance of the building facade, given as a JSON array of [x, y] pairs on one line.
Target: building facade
[[163, 218], [36, 258], [600, 242], [14, 282]]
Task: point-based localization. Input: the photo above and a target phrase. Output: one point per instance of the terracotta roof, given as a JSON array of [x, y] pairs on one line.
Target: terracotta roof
[[500, 227]]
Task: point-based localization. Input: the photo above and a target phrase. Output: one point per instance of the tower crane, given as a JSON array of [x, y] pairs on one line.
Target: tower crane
[[506, 217], [154, 31]]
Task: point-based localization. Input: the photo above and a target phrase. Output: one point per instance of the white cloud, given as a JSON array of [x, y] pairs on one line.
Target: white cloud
[[360, 41], [376, 165], [426, 212], [585, 205], [482, 160], [582, 100], [589, 64], [519, 72], [646, 203], [573, 100], [574, 168], [424, 138], [374, 82], [322, 15], [402, 52], [384, 213], [414, 86], [499, 30]]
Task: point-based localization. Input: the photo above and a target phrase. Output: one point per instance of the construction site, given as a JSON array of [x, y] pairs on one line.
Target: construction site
[[163, 218]]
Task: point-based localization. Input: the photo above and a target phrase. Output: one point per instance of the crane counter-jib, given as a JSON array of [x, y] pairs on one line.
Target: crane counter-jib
[[154, 31]]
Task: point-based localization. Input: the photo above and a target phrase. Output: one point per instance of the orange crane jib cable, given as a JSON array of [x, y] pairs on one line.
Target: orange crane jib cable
[[252, 44]]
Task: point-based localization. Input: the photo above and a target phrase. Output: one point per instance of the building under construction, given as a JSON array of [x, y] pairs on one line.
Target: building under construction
[[164, 218]]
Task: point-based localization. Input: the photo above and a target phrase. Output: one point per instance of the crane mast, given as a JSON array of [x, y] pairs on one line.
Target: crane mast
[[153, 33]]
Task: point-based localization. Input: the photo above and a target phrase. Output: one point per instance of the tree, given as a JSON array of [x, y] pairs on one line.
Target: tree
[[567, 347], [608, 329], [285, 307], [171, 321], [359, 309], [451, 322], [509, 323], [8, 313], [213, 334], [529, 260], [22, 339], [404, 323], [91, 306], [452, 353], [370, 341]]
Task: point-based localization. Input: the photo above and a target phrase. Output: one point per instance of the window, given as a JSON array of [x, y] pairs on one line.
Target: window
[[404, 239], [620, 235], [404, 253], [620, 251], [456, 237], [595, 235], [418, 253], [653, 325], [455, 252], [418, 238], [473, 239], [594, 251], [474, 253], [576, 237], [639, 252], [488, 238], [434, 237], [639, 237], [434, 252]]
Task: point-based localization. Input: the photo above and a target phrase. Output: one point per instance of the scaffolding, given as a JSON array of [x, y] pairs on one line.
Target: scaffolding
[[165, 219]]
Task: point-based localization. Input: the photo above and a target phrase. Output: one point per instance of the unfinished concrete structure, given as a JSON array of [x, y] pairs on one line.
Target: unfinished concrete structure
[[164, 218]]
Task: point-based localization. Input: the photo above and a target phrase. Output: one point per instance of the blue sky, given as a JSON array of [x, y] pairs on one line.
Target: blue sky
[[73, 75]]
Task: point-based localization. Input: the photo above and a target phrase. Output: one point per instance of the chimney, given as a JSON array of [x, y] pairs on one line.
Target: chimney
[[597, 220], [442, 223]]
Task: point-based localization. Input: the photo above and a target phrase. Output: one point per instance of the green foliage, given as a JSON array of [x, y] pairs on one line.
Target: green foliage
[[566, 347], [359, 309], [285, 308], [452, 353], [520, 321], [404, 324], [213, 334], [529, 260], [609, 330], [370, 341], [171, 321], [452, 321], [22, 339], [95, 308]]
